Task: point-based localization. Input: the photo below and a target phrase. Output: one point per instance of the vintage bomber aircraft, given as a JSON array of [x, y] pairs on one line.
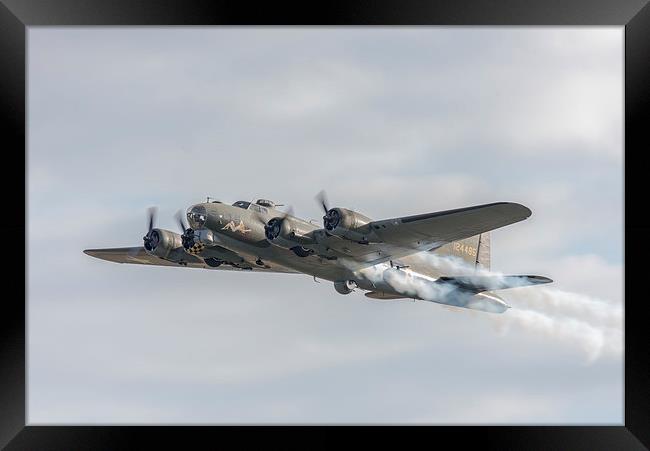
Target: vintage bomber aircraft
[[393, 258]]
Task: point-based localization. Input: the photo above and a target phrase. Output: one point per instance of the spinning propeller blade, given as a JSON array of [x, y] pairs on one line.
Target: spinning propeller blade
[[321, 198], [152, 212], [181, 221], [151, 216]]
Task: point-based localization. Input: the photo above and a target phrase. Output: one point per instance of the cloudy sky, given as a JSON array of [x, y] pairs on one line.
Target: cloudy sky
[[390, 121]]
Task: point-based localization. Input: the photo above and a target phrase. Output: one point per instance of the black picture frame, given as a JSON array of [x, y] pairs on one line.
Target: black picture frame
[[16, 15]]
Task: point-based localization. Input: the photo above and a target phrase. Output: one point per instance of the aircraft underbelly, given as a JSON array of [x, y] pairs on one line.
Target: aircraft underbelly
[[312, 265], [333, 270]]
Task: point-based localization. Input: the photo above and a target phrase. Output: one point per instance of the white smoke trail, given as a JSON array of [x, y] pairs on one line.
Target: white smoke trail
[[593, 325]]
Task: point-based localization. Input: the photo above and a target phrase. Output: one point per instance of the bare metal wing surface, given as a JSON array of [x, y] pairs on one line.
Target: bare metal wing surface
[[446, 226], [138, 256], [398, 237]]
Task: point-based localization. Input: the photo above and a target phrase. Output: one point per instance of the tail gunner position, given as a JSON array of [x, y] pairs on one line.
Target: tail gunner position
[[442, 257]]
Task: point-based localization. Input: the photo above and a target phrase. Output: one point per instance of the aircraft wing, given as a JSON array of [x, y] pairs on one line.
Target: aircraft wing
[[400, 237], [138, 256], [439, 228]]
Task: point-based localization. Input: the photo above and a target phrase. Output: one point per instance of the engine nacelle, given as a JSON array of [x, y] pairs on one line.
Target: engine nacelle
[[290, 233], [347, 224], [345, 286], [195, 241], [162, 242]]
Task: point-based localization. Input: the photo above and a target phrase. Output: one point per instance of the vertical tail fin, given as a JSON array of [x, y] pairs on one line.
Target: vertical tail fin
[[475, 250], [483, 254]]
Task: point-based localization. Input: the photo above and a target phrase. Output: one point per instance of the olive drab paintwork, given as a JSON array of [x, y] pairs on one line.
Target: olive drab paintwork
[[391, 258]]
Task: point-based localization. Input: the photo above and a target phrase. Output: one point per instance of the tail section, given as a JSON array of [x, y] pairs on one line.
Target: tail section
[[478, 284], [460, 291], [475, 250], [483, 254], [475, 292]]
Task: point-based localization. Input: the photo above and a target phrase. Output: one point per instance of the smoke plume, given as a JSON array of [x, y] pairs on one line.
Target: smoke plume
[[593, 325]]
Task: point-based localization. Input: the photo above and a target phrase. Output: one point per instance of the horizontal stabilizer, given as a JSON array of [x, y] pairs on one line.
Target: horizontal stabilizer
[[380, 295], [476, 284]]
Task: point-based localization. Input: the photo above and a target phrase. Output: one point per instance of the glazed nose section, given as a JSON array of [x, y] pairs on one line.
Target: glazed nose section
[[196, 216]]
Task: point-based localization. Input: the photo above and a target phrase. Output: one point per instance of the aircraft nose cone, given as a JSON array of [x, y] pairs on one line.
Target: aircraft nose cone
[[196, 215]]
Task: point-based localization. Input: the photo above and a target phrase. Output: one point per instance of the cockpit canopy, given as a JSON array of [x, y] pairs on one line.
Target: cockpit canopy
[[241, 204], [261, 202], [265, 203], [258, 206]]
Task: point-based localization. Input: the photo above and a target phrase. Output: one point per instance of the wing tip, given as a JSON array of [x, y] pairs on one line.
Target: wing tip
[[523, 210], [94, 253], [97, 253]]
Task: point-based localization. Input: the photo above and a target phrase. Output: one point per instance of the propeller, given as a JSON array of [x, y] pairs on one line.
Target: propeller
[[152, 238], [267, 225], [331, 219], [274, 226], [332, 216], [321, 198], [181, 221], [187, 233], [153, 211]]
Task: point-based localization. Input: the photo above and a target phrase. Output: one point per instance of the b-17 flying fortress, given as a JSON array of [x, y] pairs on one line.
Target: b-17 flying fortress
[[443, 257]]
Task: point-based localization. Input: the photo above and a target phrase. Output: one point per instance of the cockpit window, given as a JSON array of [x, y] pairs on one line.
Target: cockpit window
[[197, 216], [265, 203], [241, 204]]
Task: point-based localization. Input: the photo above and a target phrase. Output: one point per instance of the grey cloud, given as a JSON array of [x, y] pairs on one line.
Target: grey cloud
[[391, 122]]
